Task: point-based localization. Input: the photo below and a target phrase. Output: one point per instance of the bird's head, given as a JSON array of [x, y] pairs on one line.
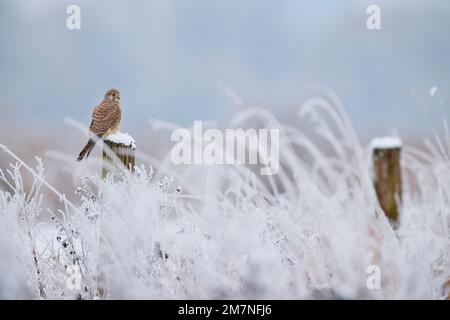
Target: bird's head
[[112, 95]]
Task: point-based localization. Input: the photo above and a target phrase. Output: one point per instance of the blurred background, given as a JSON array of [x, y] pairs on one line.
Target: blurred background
[[172, 59]]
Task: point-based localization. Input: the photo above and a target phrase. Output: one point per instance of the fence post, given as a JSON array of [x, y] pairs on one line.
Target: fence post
[[387, 176], [123, 146]]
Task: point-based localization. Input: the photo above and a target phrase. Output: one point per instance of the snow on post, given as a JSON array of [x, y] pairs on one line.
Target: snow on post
[[387, 175], [123, 146]]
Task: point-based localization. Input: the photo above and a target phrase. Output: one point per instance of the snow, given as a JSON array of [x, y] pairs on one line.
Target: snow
[[122, 138], [433, 91], [388, 142]]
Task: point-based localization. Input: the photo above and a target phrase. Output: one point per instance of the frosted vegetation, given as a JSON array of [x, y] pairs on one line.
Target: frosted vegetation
[[225, 232]]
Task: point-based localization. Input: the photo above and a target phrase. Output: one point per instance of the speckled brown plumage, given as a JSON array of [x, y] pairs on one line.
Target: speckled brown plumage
[[105, 120]]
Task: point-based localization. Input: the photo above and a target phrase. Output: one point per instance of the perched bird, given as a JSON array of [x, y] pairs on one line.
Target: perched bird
[[105, 120]]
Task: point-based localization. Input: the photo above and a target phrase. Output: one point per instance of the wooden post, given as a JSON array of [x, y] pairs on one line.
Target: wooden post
[[387, 176], [123, 146], [447, 290]]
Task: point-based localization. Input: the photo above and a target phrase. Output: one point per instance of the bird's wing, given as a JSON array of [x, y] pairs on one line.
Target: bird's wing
[[103, 118]]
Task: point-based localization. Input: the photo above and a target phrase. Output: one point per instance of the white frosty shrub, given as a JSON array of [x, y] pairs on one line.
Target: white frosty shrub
[[20, 275], [312, 231]]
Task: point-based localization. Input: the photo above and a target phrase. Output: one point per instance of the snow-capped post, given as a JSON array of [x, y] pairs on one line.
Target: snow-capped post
[[123, 146], [387, 175]]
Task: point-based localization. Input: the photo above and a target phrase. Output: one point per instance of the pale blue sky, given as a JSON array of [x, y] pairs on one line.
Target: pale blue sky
[[167, 57]]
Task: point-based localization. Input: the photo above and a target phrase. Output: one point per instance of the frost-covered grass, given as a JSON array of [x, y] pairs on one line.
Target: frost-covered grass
[[225, 232]]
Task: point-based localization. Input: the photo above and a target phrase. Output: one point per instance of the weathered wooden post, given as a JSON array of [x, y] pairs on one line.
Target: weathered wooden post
[[447, 290], [123, 146], [387, 176]]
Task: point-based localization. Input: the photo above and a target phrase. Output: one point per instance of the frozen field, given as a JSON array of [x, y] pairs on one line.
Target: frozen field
[[314, 230]]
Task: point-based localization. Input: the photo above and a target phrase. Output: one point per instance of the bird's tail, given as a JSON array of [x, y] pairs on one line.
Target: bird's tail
[[86, 150]]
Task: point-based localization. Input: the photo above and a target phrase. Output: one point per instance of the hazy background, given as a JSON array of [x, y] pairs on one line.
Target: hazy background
[[169, 57]]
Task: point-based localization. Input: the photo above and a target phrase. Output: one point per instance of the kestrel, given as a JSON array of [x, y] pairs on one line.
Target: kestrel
[[105, 120]]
